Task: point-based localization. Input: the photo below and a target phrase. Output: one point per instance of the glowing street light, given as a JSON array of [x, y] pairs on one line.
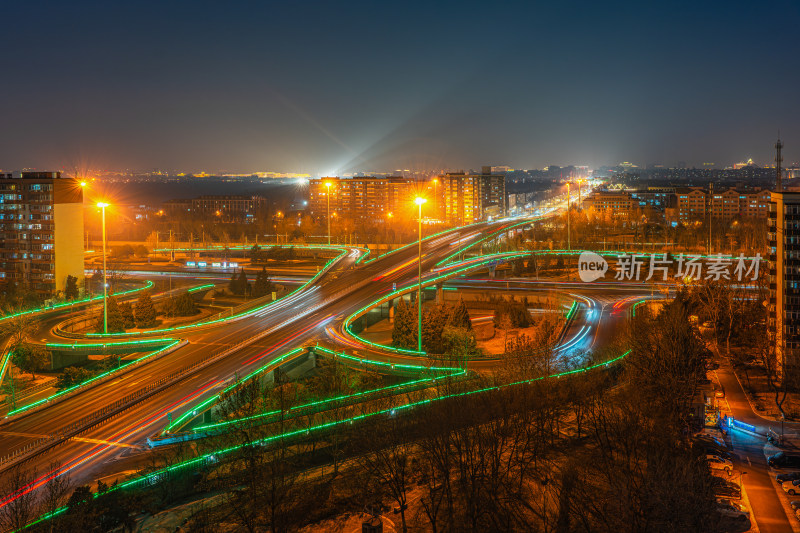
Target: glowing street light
[[419, 201], [102, 206], [328, 198]]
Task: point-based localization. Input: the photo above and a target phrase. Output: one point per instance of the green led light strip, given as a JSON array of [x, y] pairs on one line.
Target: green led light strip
[[88, 381], [429, 237], [412, 287], [192, 412], [212, 457], [146, 286], [211, 400], [484, 239], [343, 252], [201, 287]]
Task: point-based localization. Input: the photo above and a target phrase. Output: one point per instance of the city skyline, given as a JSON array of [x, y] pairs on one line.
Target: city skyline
[[327, 90]]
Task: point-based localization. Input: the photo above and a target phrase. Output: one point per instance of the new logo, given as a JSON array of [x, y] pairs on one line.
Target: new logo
[[591, 266]]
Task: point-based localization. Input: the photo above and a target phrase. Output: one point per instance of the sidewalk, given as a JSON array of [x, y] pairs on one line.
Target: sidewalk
[[768, 506]]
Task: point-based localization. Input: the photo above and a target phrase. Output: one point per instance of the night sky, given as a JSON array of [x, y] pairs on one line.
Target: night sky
[[336, 87]]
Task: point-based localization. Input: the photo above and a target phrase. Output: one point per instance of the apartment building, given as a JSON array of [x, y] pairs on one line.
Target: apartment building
[[470, 198], [41, 227], [784, 277], [366, 198]]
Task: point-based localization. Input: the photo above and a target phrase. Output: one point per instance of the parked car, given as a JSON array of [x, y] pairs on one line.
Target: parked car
[[787, 476], [709, 440], [711, 445], [731, 509], [795, 504], [784, 460], [718, 463], [792, 487], [726, 489]]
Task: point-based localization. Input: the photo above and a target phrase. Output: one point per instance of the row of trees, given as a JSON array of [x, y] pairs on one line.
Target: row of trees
[[122, 316], [574, 454], [262, 286], [445, 329]]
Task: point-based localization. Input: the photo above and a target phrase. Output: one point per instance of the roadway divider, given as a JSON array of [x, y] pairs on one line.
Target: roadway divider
[[112, 374], [214, 323], [119, 406]]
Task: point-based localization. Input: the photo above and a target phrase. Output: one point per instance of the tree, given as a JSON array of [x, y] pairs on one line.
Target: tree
[[116, 323], [71, 376], [404, 330], [184, 305], [31, 358], [71, 291], [459, 316], [16, 513], [459, 342], [263, 284], [242, 283], [145, 311], [233, 284], [239, 284], [126, 310]]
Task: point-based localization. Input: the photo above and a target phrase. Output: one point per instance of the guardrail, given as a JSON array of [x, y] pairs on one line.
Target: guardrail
[[92, 383], [123, 404]]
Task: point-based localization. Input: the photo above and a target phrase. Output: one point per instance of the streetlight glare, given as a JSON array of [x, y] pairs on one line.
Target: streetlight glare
[[419, 200], [102, 205], [83, 184]]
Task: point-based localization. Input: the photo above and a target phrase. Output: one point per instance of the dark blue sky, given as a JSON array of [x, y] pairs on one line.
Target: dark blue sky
[[336, 86]]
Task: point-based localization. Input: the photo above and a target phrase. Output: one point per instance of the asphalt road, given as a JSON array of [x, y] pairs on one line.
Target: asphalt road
[[292, 322]]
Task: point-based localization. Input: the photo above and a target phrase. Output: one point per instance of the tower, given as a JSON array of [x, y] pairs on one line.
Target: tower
[[778, 161]]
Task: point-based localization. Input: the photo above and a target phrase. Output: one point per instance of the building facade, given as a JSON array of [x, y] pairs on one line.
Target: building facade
[[694, 203], [365, 198], [41, 226], [228, 208], [469, 198], [784, 277]]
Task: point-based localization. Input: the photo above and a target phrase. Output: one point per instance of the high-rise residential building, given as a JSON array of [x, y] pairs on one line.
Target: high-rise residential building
[[366, 198], [469, 198], [41, 228], [784, 277]]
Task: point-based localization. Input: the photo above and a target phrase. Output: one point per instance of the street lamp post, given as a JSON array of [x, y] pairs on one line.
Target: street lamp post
[[102, 206], [419, 201], [328, 197], [569, 247]]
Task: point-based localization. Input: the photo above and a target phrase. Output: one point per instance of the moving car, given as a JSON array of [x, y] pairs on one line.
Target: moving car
[[718, 463], [783, 460]]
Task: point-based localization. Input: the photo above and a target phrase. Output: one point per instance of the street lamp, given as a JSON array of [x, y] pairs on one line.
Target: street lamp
[[419, 201], [328, 198], [568, 203], [102, 206], [435, 198]]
